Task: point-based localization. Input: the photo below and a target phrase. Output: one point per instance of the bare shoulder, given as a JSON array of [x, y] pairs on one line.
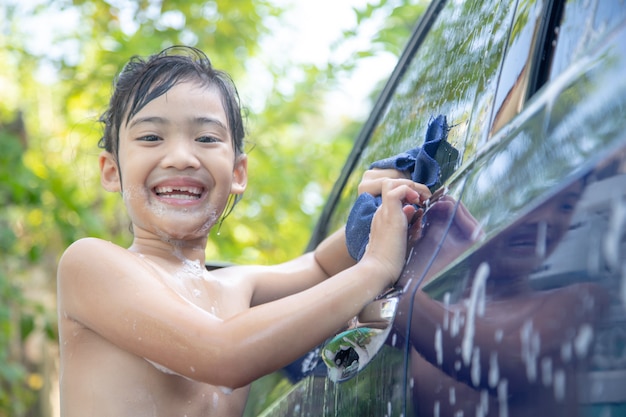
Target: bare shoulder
[[89, 266], [88, 253]]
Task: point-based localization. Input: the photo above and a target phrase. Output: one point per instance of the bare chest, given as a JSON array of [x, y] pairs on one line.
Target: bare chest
[[220, 297]]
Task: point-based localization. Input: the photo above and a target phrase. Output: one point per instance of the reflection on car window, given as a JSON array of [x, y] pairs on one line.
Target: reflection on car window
[[518, 327], [454, 73], [586, 26], [518, 64]]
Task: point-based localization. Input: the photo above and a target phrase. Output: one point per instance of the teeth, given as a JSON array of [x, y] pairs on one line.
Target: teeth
[[190, 190], [180, 196]]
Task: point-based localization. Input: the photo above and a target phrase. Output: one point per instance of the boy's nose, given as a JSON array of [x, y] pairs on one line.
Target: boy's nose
[[180, 155]]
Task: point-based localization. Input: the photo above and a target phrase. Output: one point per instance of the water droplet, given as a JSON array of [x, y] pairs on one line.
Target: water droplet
[[439, 345], [583, 340], [452, 396], [546, 371], [503, 388], [494, 370], [476, 307], [559, 384], [475, 370]]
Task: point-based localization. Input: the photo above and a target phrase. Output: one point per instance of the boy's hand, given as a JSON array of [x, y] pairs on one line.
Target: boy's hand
[[372, 181], [388, 235]]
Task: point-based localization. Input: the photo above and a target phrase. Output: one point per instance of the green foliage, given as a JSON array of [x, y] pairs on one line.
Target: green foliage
[[49, 180], [21, 192]]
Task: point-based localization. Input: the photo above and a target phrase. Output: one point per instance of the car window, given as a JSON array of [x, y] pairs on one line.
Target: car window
[[454, 73], [520, 66], [586, 25]]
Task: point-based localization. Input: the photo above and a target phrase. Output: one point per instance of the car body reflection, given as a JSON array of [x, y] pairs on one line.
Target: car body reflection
[[500, 347]]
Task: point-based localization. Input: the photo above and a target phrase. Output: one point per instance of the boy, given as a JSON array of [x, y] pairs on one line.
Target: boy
[[148, 330]]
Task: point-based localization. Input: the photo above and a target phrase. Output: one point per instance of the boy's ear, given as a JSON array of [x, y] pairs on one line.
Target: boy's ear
[[240, 175], [109, 172]]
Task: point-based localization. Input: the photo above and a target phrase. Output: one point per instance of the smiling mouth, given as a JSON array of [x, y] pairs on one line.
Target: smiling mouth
[[179, 193]]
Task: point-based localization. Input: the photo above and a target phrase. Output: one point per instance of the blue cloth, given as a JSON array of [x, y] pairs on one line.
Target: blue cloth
[[419, 162]]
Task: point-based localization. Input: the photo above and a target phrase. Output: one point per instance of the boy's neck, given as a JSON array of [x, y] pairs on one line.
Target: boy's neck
[[170, 251]]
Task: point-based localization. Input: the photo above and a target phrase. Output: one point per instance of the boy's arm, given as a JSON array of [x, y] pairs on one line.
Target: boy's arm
[[115, 295], [277, 281], [331, 255]]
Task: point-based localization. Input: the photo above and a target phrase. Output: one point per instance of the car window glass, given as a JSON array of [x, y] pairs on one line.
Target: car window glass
[[586, 25], [453, 73], [518, 65]]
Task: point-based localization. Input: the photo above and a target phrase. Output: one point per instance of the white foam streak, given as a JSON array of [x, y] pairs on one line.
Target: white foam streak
[[476, 307], [439, 345], [615, 230], [494, 370]]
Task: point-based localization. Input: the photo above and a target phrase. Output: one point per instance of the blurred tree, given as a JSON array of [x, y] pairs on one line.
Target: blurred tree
[[51, 97]]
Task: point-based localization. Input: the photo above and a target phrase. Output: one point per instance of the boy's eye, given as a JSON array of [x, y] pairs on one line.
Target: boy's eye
[[567, 207], [150, 138], [207, 139]]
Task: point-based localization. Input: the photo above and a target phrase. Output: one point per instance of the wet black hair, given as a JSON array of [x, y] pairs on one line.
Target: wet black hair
[[145, 79]]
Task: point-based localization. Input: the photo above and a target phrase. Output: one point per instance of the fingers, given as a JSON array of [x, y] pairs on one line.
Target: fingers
[[402, 194], [373, 180]]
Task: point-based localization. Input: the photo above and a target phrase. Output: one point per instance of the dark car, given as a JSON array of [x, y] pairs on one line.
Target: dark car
[[514, 297]]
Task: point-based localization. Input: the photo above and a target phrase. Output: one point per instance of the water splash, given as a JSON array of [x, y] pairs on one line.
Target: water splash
[[193, 269], [452, 396], [531, 344], [546, 371], [476, 307], [494, 370], [623, 285], [456, 323], [566, 351], [559, 385], [583, 340], [439, 345], [226, 390], [503, 395], [483, 407], [475, 369], [542, 233], [446, 316], [165, 369], [615, 230]]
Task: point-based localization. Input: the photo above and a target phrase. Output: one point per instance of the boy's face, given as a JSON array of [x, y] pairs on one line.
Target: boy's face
[[524, 246], [177, 164]]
